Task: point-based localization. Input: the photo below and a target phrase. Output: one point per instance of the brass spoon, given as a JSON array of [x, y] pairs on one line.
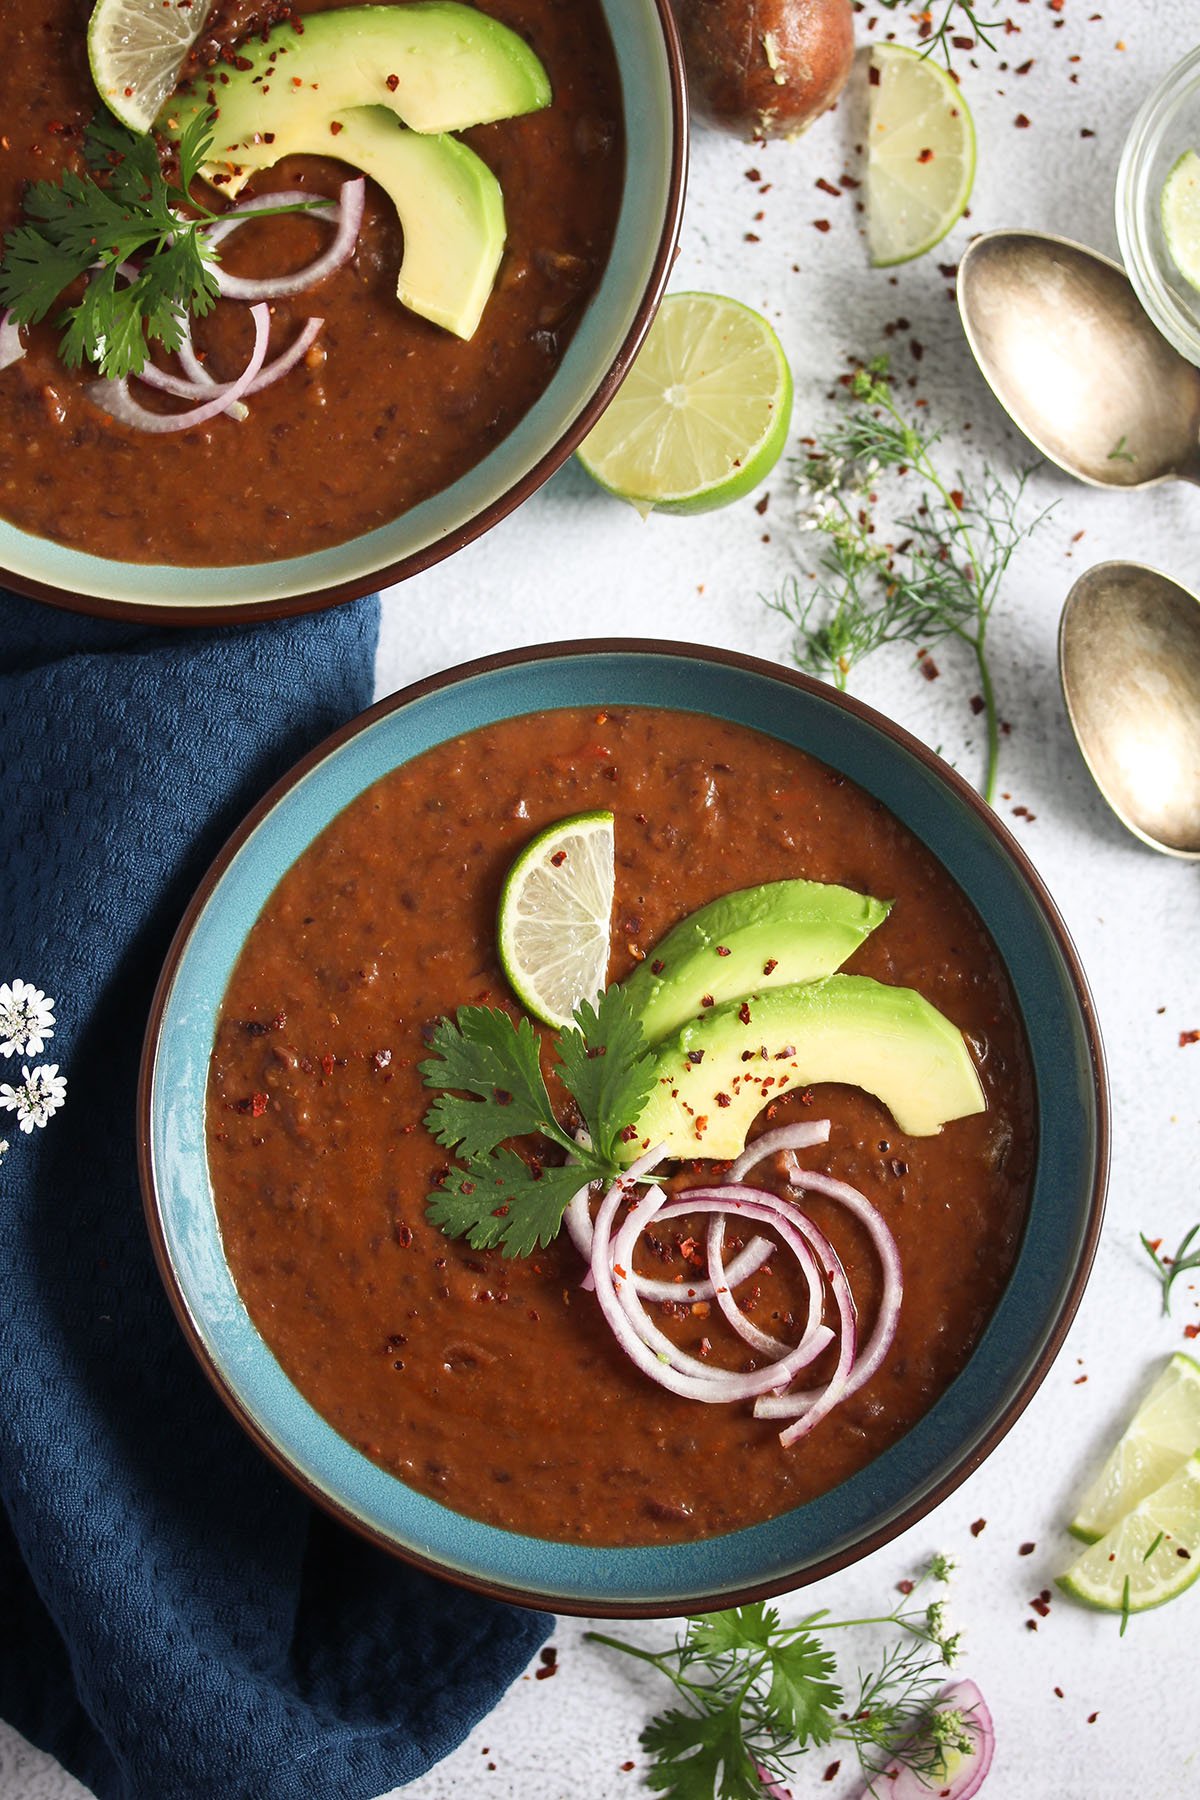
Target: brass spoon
[[1129, 656], [1065, 347]]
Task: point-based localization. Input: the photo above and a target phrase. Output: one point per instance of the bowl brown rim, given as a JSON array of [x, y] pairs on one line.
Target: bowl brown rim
[[389, 575], [963, 791]]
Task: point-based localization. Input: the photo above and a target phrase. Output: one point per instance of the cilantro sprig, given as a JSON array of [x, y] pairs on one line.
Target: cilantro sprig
[[127, 209], [757, 1694], [488, 1066]]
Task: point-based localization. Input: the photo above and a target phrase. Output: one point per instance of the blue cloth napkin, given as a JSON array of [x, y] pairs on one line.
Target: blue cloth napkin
[[176, 1622]]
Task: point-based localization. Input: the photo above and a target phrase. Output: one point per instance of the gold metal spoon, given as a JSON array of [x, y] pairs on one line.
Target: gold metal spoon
[[1129, 656], [1064, 345]]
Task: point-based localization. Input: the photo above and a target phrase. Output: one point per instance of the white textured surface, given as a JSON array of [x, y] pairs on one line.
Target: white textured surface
[[572, 563]]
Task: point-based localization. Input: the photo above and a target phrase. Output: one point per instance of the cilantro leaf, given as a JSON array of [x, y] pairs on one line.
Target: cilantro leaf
[[739, 1628], [699, 1755], [483, 1052], [803, 1693], [603, 1061], [500, 1200]]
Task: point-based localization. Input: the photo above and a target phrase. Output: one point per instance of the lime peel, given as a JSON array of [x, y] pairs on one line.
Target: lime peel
[[703, 414], [1149, 1556], [136, 49], [552, 924], [1163, 1433], [1179, 209], [920, 155]]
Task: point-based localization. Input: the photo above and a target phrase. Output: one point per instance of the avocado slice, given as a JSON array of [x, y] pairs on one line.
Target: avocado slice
[[437, 65], [715, 1075], [451, 211], [775, 935]]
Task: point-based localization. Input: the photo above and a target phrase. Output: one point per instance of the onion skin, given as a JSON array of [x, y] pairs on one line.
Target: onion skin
[[765, 68]]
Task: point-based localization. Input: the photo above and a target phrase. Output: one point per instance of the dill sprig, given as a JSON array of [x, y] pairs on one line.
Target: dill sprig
[[1171, 1266], [758, 1694], [135, 232], [937, 578], [943, 35]]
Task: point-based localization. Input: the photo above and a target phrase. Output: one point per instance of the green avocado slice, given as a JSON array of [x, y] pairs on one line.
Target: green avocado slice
[[775, 935], [716, 1074], [437, 65]]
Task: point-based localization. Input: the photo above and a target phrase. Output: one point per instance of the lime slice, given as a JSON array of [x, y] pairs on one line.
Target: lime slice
[[703, 414], [136, 49], [553, 923], [1155, 1548], [1163, 1433], [1180, 206], [920, 155]]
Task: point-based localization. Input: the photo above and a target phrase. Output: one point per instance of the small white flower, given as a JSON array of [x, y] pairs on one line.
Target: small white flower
[[38, 1097], [26, 1019]]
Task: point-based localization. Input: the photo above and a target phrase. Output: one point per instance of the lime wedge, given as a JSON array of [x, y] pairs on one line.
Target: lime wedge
[[703, 414], [920, 154], [1161, 1436], [1155, 1549], [136, 49], [553, 922], [1180, 208]]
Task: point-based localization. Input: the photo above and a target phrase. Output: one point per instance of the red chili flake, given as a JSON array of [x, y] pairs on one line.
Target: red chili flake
[[327, 1063], [905, 1587], [559, 858], [701, 1124], [1059, 1692], [1031, 1624], [626, 1766], [657, 966], [831, 1772], [822, 224], [1041, 1605], [722, 950], [1023, 68], [1092, 1717], [1191, 1331], [1027, 1550], [827, 187], [258, 1105], [1085, 133], [929, 669], [402, 1234], [393, 82], [1079, 1380], [770, 966], [723, 1100], [1021, 122], [744, 1012], [629, 1133], [873, 76], [706, 1000], [925, 156], [696, 1056], [751, 237], [1188, 1037], [335, 127], [751, 175], [977, 1527], [977, 703], [760, 506], [1186, 1554], [963, 43], [549, 1661]]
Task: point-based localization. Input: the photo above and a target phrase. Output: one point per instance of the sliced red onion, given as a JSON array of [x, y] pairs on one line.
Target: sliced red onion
[[719, 1277], [880, 1340], [785, 1137], [11, 347], [966, 1775], [114, 398], [674, 1366], [350, 205]]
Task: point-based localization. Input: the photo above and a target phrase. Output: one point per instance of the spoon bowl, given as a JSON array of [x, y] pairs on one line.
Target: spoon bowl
[[1061, 339], [1129, 657]]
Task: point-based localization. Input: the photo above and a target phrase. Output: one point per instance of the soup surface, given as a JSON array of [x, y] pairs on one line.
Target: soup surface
[[387, 409], [494, 1384]]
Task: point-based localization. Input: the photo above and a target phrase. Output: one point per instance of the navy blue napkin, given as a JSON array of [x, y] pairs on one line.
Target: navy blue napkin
[[176, 1622]]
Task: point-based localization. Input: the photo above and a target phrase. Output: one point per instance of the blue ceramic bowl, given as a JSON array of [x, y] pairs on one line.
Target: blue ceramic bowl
[[612, 328], [1028, 1326]]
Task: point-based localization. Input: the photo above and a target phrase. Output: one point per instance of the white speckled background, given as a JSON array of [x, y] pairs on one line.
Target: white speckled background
[[574, 563]]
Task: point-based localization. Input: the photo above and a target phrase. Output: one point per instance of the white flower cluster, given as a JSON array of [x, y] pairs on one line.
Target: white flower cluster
[[26, 1021]]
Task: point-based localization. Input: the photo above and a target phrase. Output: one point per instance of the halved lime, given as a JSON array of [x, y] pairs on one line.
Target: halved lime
[[920, 154], [1155, 1549], [553, 921], [136, 49], [703, 414], [1163, 1433], [1180, 212]]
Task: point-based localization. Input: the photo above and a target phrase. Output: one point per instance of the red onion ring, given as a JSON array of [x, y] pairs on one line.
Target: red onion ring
[[350, 204], [11, 347], [786, 1137], [114, 398]]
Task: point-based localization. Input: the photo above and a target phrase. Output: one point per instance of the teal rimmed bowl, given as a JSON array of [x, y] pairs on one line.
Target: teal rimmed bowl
[[609, 335], [1023, 1335]]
